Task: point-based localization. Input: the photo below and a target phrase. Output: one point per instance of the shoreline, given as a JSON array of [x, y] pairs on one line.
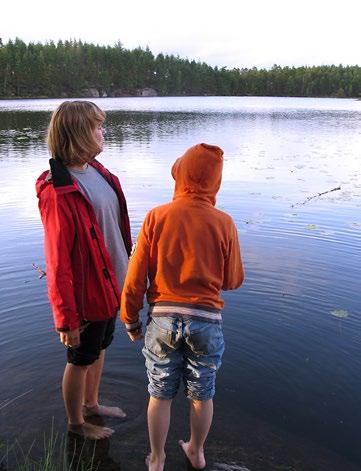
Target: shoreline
[[12, 98]]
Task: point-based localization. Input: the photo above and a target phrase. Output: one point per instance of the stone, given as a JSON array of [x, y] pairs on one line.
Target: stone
[[228, 467], [147, 92], [90, 92]]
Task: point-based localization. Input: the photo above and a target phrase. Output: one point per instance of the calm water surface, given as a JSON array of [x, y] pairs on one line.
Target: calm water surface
[[289, 389]]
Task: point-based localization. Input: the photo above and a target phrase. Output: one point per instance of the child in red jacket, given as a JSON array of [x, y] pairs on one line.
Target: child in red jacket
[[87, 243]]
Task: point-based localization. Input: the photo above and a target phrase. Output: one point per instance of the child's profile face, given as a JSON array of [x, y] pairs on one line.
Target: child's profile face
[[98, 135]]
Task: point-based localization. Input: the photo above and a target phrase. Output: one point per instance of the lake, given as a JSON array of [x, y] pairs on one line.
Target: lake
[[288, 392]]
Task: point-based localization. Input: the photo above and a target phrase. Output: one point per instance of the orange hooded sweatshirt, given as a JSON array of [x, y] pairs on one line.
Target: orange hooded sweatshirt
[[187, 251]]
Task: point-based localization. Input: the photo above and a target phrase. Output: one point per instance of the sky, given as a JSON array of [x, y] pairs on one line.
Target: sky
[[223, 33]]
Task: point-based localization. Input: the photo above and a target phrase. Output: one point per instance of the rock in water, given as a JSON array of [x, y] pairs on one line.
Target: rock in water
[[228, 467]]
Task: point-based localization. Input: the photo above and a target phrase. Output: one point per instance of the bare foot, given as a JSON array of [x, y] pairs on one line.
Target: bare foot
[[154, 464], [195, 458], [104, 410], [93, 432]]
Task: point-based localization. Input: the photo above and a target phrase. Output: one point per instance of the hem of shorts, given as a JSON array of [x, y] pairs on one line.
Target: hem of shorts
[[82, 363], [203, 398], [161, 396]]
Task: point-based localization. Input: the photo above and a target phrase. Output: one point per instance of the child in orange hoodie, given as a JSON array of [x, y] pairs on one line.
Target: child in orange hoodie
[[187, 251]]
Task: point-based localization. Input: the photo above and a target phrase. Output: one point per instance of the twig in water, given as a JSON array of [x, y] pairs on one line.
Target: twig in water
[[39, 270], [316, 196], [9, 401]]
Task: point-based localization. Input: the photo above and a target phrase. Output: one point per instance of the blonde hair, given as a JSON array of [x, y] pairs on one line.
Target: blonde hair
[[70, 132]]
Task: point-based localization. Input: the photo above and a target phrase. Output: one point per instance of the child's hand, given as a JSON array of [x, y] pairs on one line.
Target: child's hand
[[136, 335], [70, 338]]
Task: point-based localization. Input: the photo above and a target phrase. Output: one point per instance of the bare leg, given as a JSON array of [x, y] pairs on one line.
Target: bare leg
[[91, 392], [73, 392], [92, 382], [158, 426], [201, 416]]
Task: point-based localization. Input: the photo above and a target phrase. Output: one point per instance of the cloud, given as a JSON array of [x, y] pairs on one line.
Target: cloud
[[232, 33]]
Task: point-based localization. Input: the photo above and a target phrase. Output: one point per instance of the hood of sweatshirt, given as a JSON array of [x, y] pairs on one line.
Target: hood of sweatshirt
[[198, 173]]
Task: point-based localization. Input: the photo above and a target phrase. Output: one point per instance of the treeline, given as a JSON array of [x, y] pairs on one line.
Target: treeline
[[75, 68]]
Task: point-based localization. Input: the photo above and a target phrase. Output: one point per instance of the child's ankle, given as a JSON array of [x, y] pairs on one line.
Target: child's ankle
[[157, 458]]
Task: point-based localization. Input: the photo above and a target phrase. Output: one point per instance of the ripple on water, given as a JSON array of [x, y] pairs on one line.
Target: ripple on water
[[288, 359]]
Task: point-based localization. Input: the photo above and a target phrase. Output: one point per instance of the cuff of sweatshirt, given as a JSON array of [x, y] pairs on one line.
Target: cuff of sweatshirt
[[133, 326]]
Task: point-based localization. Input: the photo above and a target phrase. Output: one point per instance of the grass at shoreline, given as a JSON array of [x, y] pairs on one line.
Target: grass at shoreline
[[58, 453]]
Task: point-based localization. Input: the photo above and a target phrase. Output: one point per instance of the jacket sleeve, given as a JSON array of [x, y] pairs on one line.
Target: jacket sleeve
[[135, 284], [233, 265], [59, 235]]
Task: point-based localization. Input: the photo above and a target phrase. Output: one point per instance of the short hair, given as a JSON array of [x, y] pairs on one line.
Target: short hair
[[70, 132]]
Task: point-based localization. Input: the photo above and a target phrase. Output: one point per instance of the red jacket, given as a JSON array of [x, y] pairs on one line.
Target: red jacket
[[80, 275]]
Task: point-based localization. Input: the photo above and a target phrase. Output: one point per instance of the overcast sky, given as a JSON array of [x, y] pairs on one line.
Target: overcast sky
[[229, 33]]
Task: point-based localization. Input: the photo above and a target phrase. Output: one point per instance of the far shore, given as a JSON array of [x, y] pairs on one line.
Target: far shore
[[14, 98]]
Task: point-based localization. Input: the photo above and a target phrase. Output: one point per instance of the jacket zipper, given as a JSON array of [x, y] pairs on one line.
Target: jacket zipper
[[94, 237], [83, 275], [105, 269]]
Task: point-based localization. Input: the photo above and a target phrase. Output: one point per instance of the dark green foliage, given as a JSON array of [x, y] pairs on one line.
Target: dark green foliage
[[71, 68]]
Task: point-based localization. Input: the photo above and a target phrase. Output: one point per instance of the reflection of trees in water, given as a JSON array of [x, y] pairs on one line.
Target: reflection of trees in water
[[26, 130], [35, 120], [23, 132], [149, 126]]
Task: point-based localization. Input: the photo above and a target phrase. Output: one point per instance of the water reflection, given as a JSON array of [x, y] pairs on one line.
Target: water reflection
[[291, 369]]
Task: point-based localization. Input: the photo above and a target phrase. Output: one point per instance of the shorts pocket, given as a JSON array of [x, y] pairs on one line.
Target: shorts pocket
[[158, 337], [207, 340]]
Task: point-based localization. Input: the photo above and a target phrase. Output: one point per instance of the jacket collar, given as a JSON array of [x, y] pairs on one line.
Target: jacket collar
[[61, 177], [64, 182], [59, 174]]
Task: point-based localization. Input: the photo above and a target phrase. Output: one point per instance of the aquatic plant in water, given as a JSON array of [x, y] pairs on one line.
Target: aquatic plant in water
[[340, 313], [59, 454]]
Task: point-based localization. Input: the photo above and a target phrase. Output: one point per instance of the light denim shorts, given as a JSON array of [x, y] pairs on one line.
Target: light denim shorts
[[178, 348]]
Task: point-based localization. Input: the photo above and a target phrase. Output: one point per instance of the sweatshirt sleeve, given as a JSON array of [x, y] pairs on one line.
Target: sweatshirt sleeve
[[233, 265], [135, 284], [59, 235]]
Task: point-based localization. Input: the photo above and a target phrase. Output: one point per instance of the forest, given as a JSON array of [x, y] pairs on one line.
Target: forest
[[74, 68]]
